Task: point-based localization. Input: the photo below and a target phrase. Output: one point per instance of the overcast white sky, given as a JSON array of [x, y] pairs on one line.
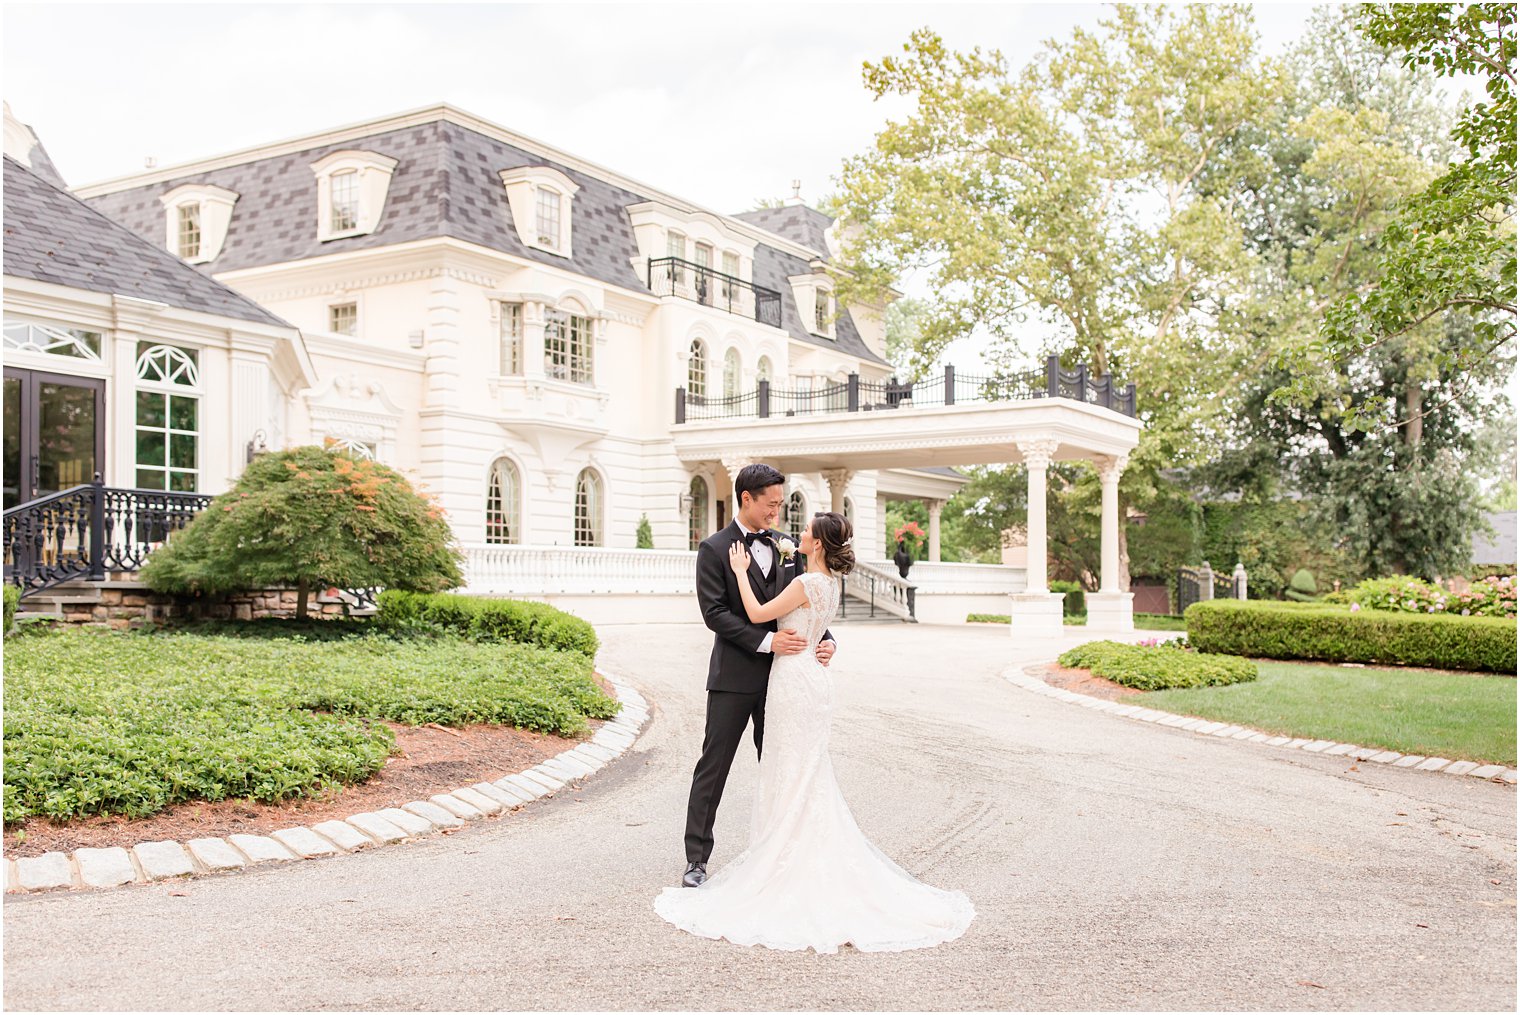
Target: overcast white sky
[[718, 103]]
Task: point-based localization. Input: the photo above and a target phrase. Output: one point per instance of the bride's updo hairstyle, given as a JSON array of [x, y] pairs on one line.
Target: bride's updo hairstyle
[[836, 534]]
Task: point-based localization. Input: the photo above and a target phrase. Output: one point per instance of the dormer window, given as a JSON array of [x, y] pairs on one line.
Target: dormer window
[[196, 219], [548, 218], [344, 198], [815, 292], [821, 316], [540, 199], [190, 231], [351, 190]]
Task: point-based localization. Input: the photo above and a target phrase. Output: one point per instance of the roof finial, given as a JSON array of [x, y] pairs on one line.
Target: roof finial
[[796, 197]]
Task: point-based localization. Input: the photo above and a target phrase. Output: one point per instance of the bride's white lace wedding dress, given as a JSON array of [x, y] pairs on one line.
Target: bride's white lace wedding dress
[[810, 878]]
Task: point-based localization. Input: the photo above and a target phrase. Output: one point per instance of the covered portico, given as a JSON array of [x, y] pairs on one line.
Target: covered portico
[[1035, 430]]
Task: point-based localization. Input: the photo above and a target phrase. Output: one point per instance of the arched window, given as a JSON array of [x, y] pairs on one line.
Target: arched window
[[504, 504], [731, 374], [793, 515], [697, 517], [352, 445], [763, 369], [696, 370], [167, 418], [588, 509]]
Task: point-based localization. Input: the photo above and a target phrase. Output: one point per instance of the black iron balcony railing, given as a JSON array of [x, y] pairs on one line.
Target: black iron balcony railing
[[856, 395], [672, 276], [90, 531]]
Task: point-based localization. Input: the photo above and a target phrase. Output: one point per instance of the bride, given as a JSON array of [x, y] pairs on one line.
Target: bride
[[810, 878]]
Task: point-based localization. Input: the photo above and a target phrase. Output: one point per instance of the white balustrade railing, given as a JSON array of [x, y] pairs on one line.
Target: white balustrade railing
[[494, 569], [949, 578], [875, 589]]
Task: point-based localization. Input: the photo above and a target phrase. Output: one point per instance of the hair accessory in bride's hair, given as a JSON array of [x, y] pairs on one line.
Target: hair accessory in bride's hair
[[847, 542]]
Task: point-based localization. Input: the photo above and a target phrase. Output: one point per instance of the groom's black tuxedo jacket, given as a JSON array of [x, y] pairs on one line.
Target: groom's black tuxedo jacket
[[736, 664]]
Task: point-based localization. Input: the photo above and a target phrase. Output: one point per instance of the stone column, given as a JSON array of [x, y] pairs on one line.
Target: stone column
[[935, 507], [838, 480], [1109, 609], [1037, 454], [1036, 612], [534, 317]]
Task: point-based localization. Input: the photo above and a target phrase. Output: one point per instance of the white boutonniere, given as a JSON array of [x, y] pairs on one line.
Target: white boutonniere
[[786, 547]]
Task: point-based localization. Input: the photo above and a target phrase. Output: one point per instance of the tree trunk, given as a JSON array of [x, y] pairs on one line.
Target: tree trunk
[[302, 589], [1415, 428], [1123, 549]]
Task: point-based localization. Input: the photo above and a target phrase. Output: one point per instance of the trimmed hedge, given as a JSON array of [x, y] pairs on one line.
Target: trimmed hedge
[[488, 620], [1337, 634], [1075, 602], [12, 600], [1157, 667]]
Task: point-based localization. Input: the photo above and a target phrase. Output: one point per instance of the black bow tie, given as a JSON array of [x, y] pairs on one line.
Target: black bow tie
[[750, 537]]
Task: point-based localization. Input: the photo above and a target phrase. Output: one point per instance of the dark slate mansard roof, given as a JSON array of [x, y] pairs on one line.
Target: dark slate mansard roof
[[52, 236], [446, 183]]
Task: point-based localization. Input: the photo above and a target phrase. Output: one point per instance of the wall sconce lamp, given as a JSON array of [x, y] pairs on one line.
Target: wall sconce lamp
[[258, 444], [414, 339]]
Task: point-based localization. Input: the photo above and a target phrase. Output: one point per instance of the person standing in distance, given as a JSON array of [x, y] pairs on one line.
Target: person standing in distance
[[739, 669]]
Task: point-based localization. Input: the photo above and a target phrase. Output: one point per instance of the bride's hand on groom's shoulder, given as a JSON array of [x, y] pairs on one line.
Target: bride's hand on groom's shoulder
[[738, 558]]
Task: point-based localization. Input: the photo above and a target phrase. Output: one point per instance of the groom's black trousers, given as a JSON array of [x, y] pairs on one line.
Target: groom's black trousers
[[728, 712]]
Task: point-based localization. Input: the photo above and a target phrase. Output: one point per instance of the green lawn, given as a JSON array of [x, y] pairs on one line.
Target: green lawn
[[1462, 716], [118, 723]]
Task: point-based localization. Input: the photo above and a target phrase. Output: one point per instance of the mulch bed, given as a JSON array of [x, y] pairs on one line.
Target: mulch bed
[[431, 759], [1083, 682]]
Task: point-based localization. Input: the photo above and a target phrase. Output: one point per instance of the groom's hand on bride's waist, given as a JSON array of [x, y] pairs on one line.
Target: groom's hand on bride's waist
[[787, 643]]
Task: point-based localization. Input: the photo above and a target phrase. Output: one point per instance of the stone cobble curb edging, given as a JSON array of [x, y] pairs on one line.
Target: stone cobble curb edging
[[1023, 677], [157, 861]]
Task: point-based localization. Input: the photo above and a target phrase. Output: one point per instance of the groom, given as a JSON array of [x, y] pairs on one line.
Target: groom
[[739, 671]]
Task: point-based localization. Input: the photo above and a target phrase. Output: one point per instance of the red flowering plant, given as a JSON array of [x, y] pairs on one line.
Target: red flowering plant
[[910, 534]]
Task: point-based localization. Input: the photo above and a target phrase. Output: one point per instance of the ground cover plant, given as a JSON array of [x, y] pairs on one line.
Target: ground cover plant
[[1334, 633], [1143, 621], [1154, 667], [1462, 716], [110, 723]]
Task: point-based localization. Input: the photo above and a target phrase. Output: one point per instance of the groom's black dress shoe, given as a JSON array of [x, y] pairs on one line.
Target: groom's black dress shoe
[[696, 873]]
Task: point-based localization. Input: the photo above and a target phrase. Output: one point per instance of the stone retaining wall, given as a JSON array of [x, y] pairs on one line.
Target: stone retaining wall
[[124, 604]]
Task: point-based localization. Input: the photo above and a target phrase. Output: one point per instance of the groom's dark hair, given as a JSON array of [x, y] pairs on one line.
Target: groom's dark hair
[[754, 478]]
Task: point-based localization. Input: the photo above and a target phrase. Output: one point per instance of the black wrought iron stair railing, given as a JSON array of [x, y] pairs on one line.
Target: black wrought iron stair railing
[[91, 531]]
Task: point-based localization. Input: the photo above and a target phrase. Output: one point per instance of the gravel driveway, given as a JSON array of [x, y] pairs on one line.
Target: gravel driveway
[[1113, 865]]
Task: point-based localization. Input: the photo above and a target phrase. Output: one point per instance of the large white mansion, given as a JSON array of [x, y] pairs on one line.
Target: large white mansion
[[516, 329]]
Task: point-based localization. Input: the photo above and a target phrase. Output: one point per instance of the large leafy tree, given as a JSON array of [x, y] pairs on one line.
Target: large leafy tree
[[1097, 190], [311, 518], [1451, 248]]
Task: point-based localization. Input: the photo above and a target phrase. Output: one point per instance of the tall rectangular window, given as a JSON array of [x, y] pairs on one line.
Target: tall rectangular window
[[343, 318], [345, 201], [821, 312], [567, 347], [511, 339], [731, 269], [548, 218], [189, 231]]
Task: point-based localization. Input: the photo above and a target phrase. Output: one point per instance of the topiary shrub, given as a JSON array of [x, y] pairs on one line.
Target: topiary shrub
[[12, 600], [1075, 603], [311, 518], [488, 620], [1302, 588], [1346, 634], [643, 536], [1158, 667]]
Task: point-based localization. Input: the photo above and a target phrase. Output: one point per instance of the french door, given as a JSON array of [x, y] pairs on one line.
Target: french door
[[54, 433]]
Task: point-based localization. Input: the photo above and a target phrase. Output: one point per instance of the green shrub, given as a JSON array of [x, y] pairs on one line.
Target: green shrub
[[643, 536], [1346, 634], [1158, 667], [1303, 587], [1075, 603], [310, 518], [488, 620], [110, 723], [1488, 597], [12, 600]]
